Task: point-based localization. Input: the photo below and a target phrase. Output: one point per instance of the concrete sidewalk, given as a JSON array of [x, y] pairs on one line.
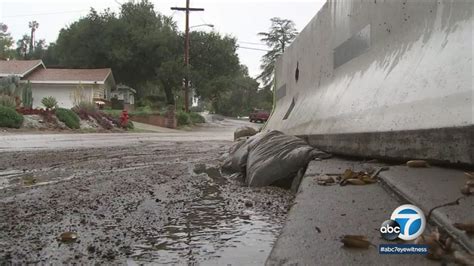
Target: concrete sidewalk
[[430, 187], [322, 214], [152, 128]]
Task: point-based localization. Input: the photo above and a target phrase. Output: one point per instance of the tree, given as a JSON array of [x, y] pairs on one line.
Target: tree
[[6, 42], [282, 32], [170, 75], [22, 47], [145, 51], [33, 25], [134, 43], [214, 65]]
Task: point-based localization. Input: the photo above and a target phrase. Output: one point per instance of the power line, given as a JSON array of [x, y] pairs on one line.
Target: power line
[[43, 14], [251, 48], [255, 43]]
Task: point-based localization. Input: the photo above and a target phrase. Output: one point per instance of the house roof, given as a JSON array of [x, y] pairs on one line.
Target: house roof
[[85, 76], [18, 67]]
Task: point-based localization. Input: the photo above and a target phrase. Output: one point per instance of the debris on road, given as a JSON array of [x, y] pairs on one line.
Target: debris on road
[[468, 188], [356, 241], [418, 164], [325, 180], [132, 204], [357, 178], [438, 247], [68, 237], [29, 180]]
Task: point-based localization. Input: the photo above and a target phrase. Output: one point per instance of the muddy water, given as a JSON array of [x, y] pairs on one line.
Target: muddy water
[[160, 203], [208, 232]]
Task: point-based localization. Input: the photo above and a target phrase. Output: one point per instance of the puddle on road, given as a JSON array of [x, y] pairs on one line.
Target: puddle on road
[[210, 233]]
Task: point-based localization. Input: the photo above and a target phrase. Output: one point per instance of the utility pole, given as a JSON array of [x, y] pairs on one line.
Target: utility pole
[[187, 9]]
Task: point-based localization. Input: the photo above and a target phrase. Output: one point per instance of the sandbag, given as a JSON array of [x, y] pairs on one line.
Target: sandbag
[[244, 131], [274, 157], [238, 153]]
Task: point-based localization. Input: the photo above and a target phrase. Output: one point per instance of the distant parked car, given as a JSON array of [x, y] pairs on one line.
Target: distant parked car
[[259, 116]]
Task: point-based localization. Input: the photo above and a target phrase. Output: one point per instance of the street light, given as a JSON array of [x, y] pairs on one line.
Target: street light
[[202, 25]]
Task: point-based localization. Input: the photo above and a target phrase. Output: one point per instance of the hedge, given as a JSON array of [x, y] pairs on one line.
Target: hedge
[[68, 117], [196, 118], [10, 118], [183, 118]]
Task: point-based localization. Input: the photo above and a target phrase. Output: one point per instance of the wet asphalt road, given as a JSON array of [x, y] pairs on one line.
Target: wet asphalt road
[[151, 199]]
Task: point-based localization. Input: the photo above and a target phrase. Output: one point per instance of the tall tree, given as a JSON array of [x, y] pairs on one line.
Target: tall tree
[[280, 35], [33, 25], [6, 42]]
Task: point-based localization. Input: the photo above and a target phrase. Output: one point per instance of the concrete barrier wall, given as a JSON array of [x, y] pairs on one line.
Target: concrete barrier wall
[[382, 79]]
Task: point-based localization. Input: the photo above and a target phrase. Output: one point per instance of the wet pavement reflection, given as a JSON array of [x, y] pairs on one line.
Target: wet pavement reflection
[[209, 233]]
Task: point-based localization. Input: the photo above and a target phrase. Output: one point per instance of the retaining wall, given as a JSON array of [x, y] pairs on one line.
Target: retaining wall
[[381, 79]]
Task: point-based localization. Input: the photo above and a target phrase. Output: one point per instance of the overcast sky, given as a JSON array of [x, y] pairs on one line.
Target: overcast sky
[[242, 19]]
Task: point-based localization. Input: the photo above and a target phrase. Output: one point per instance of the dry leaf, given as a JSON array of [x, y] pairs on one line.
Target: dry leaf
[[448, 244], [356, 241], [435, 251], [368, 179], [325, 180], [348, 174], [68, 237], [470, 183], [468, 227], [469, 174], [29, 180], [438, 247], [354, 181], [417, 164], [466, 190], [463, 258]]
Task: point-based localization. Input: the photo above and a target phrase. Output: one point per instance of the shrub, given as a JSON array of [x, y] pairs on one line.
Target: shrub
[[130, 125], [68, 117], [7, 101], [49, 102], [85, 110], [103, 121], [112, 113], [143, 111], [10, 118], [183, 118], [196, 118]]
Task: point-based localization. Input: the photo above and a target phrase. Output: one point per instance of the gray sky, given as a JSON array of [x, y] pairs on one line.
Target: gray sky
[[242, 19]]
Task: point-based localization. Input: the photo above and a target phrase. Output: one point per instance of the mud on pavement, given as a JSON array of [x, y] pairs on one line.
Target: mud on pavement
[[164, 202]]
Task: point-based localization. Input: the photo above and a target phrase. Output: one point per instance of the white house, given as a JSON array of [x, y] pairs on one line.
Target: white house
[[125, 97], [68, 86]]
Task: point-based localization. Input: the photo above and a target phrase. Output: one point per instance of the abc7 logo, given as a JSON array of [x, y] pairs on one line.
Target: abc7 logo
[[407, 223]]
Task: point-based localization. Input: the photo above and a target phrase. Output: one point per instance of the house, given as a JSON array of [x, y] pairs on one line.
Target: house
[[123, 97], [68, 86]]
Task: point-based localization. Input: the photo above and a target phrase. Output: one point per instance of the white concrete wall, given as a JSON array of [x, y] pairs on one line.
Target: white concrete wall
[[417, 72]]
